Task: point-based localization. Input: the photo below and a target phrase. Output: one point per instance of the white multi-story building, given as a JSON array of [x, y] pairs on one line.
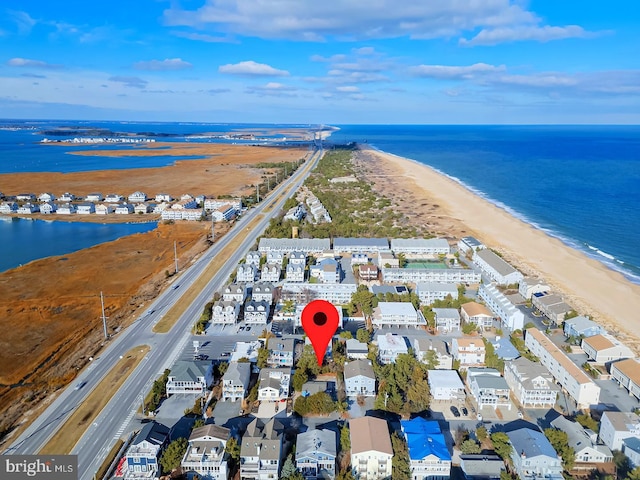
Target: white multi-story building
[[235, 292], [206, 453], [429, 292], [359, 245], [356, 350], [627, 374], [66, 209], [476, 313], [496, 268], [253, 258], [104, 209], [270, 272], [587, 451], [28, 208], [190, 377], [225, 312], [94, 197], [469, 351], [65, 197], [531, 285], [261, 450], [531, 383], [470, 244], [371, 450], [428, 350], [113, 198], [235, 381], [574, 380], [551, 306], [295, 273], [163, 197], [137, 197], [390, 346], [605, 348], [488, 388], [246, 273], [275, 256], [359, 378], [429, 456], [122, 209], [262, 291], [508, 314], [533, 457], [48, 208], [336, 293], [141, 458], [287, 245], [615, 427], [273, 384], [256, 312], [446, 385], [281, 352], [396, 314], [46, 197], [86, 208], [420, 275], [447, 319], [8, 207], [420, 246], [316, 454]]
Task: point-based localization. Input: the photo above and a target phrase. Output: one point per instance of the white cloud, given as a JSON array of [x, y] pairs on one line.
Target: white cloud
[[252, 68], [166, 64], [536, 33], [202, 37], [348, 88], [315, 21], [455, 72], [273, 89], [134, 82], [27, 62], [23, 20]]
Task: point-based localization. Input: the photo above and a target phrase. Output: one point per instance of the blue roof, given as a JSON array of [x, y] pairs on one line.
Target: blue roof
[[505, 349], [424, 438]]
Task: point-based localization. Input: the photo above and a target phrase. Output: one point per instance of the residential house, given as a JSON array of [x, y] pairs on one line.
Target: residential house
[[281, 352], [528, 286], [581, 327], [631, 448], [429, 457], [531, 383], [429, 292], [288, 245], [326, 270], [48, 208], [66, 209], [46, 197], [236, 292], [270, 272], [583, 443], [359, 258], [420, 246], [504, 349], [113, 198], [476, 313], [447, 319], [418, 275], [273, 384], [470, 244], [390, 346], [161, 207], [296, 213], [246, 273], [190, 377], [143, 454], [26, 197], [627, 374], [496, 268], [316, 453], [94, 197], [368, 272], [618, 426], [397, 314], [143, 208], [294, 273], [509, 315], [551, 306], [364, 245], [359, 378], [605, 348], [206, 454], [446, 385], [235, 381], [253, 258], [8, 207], [163, 197], [261, 450], [571, 377], [262, 291], [225, 312], [137, 197], [469, 352], [66, 197], [275, 256], [533, 457], [356, 350], [104, 209], [85, 208], [436, 352], [480, 466], [371, 450], [124, 209], [256, 312], [28, 208], [336, 293], [388, 260], [488, 388]]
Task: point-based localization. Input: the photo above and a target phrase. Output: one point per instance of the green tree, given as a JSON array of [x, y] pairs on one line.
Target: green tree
[[288, 467], [173, 454], [469, 446], [346, 334], [400, 460], [505, 476], [587, 421], [363, 335], [621, 461], [299, 379], [288, 307], [198, 423], [431, 359], [345, 438], [501, 445], [481, 433], [634, 474], [469, 328], [560, 442], [263, 355], [345, 475]]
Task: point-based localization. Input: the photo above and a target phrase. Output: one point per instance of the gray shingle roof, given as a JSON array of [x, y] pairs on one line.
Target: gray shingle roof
[[358, 367]]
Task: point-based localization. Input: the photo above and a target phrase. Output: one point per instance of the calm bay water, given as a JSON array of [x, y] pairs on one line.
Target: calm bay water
[[578, 183], [25, 240]]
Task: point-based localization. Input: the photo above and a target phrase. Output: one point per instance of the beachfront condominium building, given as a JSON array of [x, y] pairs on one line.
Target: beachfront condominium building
[[429, 292], [581, 326], [420, 246], [206, 456], [496, 268], [573, 379], [421, 275], [531, 383], [470, 245], [397, 314], [288, 245], [615, 427], [371, 450], [508, 314], [605, 348], [530, 285], [429, 456], [551, 306], [362, 245], [627, 374]]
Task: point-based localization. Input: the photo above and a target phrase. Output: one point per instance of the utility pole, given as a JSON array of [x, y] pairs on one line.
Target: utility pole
[[104, 318], [257, 193], [267, 183], [175, 254], [213, 231]]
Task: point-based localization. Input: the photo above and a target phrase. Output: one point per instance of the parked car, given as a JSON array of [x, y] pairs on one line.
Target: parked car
[[465, 412], [455, 411]]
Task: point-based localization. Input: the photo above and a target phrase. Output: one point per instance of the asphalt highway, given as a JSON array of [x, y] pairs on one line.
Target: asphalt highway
[[112, 421]]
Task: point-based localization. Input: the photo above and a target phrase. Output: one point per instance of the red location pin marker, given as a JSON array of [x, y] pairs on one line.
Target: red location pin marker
[[320, 322]]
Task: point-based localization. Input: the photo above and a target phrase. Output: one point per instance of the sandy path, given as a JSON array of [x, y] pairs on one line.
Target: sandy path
[[588, 285]]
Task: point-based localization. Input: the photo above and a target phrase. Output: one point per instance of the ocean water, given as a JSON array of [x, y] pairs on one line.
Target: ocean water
[[25, 240], [578, 183]]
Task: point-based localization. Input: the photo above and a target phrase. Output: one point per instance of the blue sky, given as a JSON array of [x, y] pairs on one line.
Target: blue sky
[[335, 62]]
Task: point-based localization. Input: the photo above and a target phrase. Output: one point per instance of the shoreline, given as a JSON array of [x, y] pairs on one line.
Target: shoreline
[[588, 284]]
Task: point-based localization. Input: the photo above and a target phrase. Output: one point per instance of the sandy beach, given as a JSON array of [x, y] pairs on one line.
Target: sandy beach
[[588, 285]]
